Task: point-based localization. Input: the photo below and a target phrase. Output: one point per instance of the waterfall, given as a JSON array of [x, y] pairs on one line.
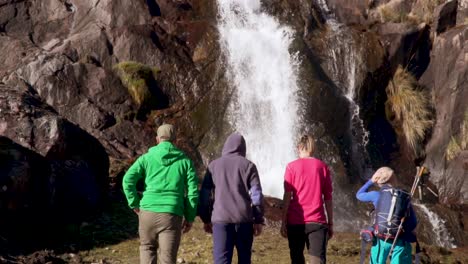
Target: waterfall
[[263, 75], [442, 236], [345, 67]]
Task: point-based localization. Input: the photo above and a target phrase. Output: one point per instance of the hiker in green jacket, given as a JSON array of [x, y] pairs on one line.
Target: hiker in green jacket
[[170, 194]]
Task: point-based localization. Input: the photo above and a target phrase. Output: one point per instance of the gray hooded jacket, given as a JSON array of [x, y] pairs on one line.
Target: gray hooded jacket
[[231, 190]]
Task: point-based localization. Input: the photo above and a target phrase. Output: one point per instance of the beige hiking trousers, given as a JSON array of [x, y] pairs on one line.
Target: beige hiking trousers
[[159, 232]]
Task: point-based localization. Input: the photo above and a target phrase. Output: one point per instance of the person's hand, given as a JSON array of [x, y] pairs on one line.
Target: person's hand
[[258, 228], [208, 228], [186, 226], [136, 210], [284, 230], [330, 231]]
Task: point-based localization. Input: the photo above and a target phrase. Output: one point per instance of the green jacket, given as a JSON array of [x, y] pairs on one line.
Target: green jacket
[[171, 183]]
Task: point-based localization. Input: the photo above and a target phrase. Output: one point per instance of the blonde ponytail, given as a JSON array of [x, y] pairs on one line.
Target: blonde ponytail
[[306, 143]]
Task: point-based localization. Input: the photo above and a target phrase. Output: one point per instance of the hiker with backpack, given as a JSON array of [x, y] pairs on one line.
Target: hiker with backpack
[[394, 219]]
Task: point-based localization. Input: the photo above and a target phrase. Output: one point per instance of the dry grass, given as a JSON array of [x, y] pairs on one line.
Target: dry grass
[[135, 76], [111, 238], [196, 248], [388, 14], [422, 11], [458, 143], [410, 106]]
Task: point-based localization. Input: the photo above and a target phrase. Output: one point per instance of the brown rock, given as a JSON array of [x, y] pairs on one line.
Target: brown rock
[[406, 44], [53, 171], [447, 77]]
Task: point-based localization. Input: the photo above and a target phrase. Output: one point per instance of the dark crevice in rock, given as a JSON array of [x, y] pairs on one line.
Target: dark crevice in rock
[[421, 56], [93, 60], [72, 56], [185, 6], [70, 7], [31, 38], [155, 39], [153, 8], [109, 45]]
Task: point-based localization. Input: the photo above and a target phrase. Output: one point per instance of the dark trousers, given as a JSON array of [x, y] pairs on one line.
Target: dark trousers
[[226, 236], [312, 235]]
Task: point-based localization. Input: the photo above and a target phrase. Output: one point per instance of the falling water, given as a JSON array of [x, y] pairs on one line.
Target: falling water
[[264, 76], [442, 235], [345, 67]]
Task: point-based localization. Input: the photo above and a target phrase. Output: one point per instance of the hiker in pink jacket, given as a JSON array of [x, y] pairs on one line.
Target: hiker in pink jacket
[[307, 188]]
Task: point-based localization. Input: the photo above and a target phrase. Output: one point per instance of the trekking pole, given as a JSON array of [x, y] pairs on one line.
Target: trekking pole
[[419, 173]]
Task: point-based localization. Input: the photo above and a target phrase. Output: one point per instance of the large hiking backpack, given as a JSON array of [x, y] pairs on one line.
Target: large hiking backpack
[[392, 207]]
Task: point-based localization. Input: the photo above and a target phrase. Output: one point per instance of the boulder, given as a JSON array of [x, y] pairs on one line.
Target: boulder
[[447, 77], [81, 92], [52, 171], [349, 12]]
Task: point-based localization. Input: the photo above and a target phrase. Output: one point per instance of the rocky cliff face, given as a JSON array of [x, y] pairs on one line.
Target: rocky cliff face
[[65, 109], [69, 116]]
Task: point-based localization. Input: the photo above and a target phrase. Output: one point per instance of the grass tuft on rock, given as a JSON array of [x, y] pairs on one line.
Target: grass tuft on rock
[[422, 12], [410, 108], [389, 14], [136, 77]]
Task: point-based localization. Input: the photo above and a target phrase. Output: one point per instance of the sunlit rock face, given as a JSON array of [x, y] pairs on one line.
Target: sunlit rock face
[[450, 90]]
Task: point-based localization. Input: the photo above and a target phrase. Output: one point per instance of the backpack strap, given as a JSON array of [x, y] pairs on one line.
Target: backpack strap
[[392, 206]]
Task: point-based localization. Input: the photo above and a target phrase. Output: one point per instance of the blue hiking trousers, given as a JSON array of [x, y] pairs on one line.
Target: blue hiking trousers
[[226, 236], [381, 249]]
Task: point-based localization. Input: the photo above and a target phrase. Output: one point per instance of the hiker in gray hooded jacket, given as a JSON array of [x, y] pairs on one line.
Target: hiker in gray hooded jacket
[[231, 202]]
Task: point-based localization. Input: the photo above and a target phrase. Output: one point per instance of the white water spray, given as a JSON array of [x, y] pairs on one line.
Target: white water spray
[[442, 236], [346, 67], [264, 76]]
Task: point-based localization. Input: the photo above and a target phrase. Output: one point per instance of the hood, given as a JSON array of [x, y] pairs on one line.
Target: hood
[[235, 144], [165, 153]]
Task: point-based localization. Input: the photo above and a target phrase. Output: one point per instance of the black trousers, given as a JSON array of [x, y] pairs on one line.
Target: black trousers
[[312, 235]]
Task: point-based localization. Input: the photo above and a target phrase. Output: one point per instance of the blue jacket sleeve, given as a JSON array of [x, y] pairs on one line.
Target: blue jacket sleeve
[[364, 196], [205, 206], [256, 195]]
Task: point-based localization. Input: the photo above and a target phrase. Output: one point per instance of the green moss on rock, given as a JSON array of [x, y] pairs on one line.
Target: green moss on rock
[[136, 77]]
